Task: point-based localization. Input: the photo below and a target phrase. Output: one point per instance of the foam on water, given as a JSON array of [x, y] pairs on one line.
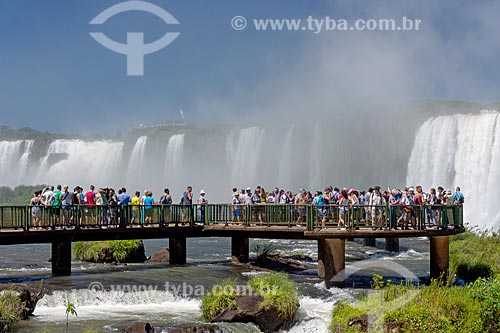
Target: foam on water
[[110, 304]]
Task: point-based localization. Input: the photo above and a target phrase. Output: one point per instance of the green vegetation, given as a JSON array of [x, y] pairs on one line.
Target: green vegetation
[[10, 307], [21, 195], [438, 307], [70, 310], [221, 297], [473, 256], [276, 289], [434, 308], [110, 251]]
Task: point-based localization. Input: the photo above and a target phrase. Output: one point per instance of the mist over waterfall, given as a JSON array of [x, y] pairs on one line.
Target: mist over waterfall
[[174, 163], [315, 160], [286, 160], [461, 150], [135, 167], [243, 150], [76, 162], [14, 161]]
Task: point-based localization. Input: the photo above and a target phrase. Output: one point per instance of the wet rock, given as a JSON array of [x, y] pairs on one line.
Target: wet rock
[[235, 260], [140, 328], [392, 327], [360, 323], [161, 256], [248, 311], [202, 328], [277, 262]]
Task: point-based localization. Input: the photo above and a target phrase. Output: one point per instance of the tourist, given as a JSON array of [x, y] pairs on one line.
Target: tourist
[[343, 209], [248, 197], [113, 207], [419, 200], [327, 200], [123, 197], [354, 207], [406, 211], [368, 209], [300, 201], [66, 202], [90, 201], [123, 201], [458, 200], [148, 209], [432, 208], [166, 203], [202, 202], [377, 204], [187, 203], [57, 203], [256, 209], [458, 197], [136, 202], [236, 207], [394, 201], [36, 211], [75, 206]]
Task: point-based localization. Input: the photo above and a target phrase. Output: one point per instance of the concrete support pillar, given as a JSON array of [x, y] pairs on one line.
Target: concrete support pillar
[[61, 258], [440, 256], [392, 244], [370, 241], [240, 248], [177, 249], [331, 260]]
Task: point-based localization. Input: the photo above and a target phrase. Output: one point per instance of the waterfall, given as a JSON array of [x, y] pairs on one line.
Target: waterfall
[[174, 162], [14, 157], [286, 159], [315, 160], [461, 150], [78, 162], [135, 167], [243, 155], [22, 174]]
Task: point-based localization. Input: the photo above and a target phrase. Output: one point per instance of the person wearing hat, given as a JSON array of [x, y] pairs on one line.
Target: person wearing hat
[[236, 205], [202, 202]]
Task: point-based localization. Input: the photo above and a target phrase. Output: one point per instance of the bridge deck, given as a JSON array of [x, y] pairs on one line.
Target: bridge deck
[[11, 236]]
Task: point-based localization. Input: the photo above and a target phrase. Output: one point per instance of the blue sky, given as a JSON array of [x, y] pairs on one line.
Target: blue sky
[[55, 77]]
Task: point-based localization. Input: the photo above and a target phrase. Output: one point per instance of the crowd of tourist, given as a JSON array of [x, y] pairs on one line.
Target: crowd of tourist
[[410, 207]]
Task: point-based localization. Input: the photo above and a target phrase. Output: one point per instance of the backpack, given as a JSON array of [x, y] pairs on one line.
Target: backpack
[[320, 202], [165, 200], [51, 200]]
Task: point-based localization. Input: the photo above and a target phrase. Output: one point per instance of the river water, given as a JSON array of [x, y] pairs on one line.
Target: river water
[[167, 295]]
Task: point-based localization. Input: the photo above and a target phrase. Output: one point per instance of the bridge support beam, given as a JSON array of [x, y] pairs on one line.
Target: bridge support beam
[[331, 260], [392, 244], [370, 241], [177, 249], [61, 258], [240, 248], [440, 256]]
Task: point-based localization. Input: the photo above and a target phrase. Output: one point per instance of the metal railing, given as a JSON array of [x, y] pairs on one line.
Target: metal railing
[[386, 217]]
